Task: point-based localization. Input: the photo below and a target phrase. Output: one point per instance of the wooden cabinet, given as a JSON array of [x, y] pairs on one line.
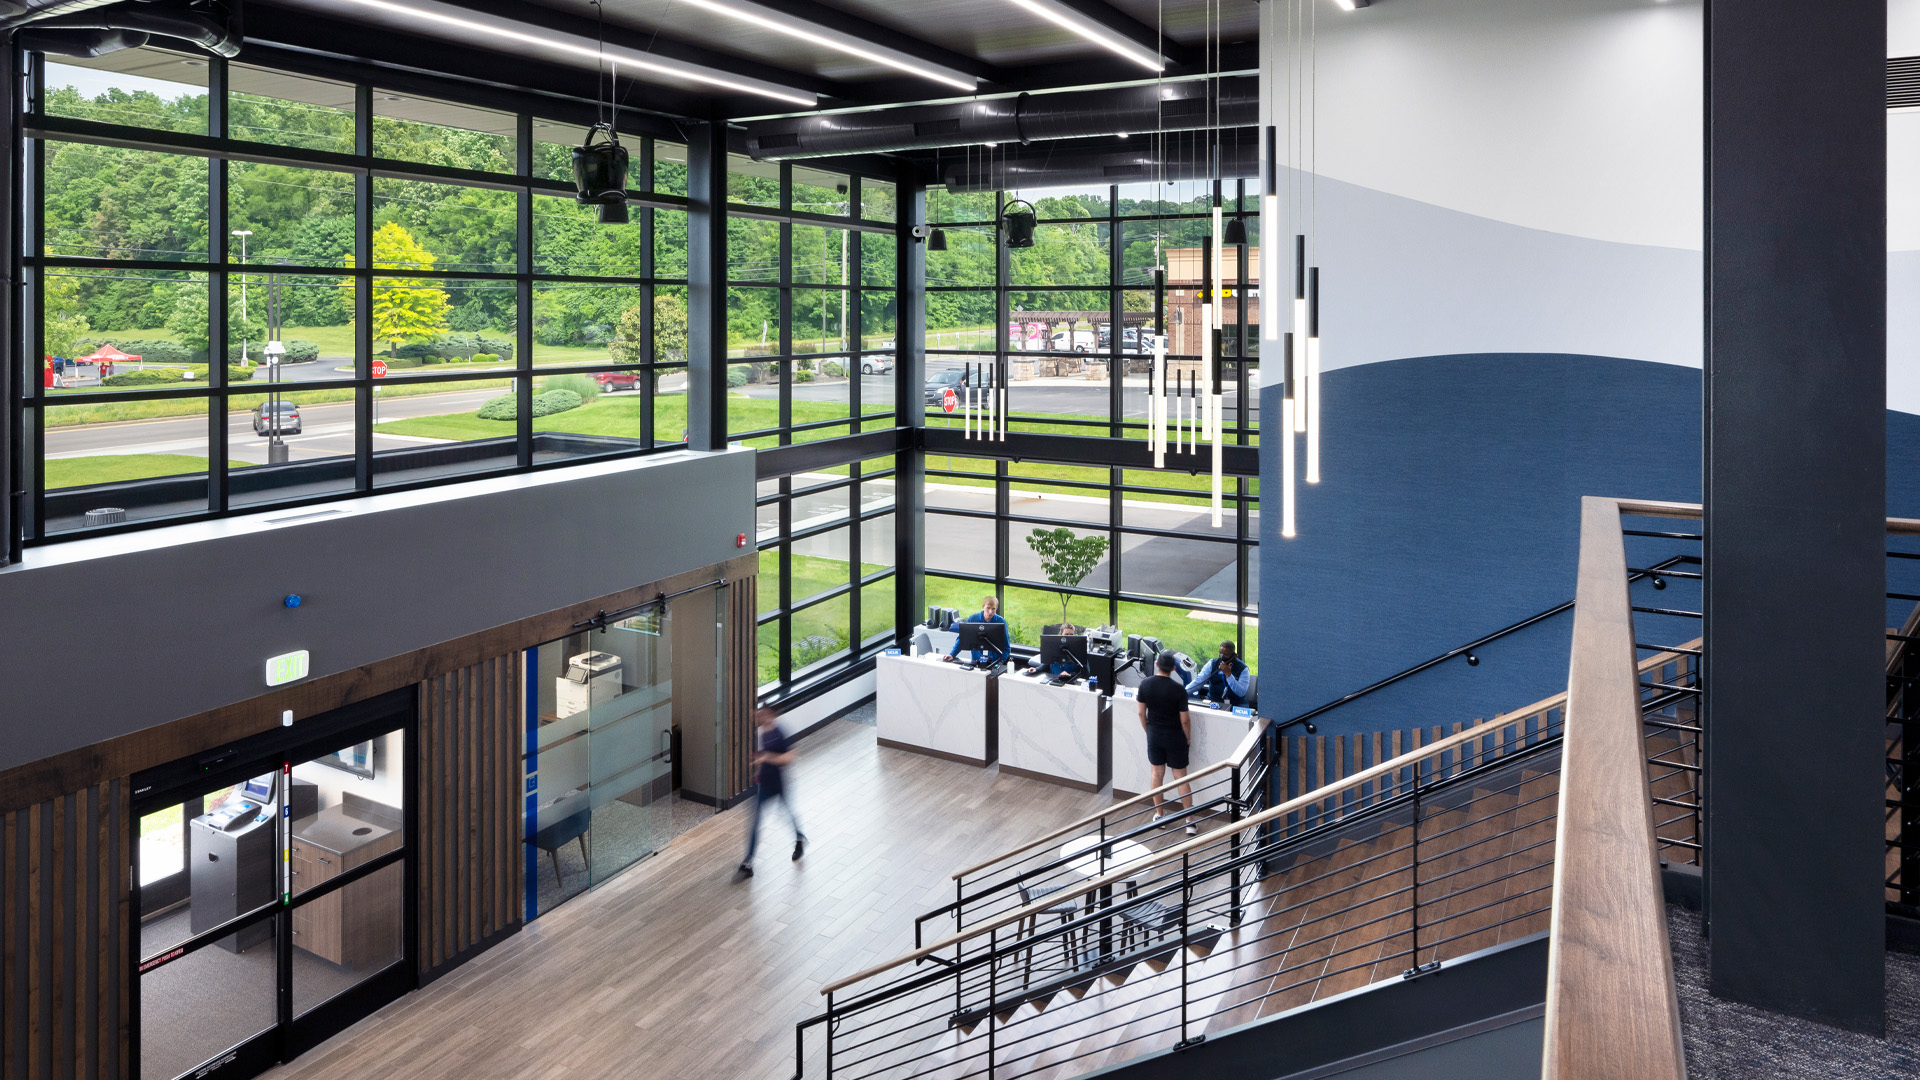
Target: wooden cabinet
[[358, 926]]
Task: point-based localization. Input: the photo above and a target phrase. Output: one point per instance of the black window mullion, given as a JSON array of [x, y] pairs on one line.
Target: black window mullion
[[362, 292], [1115, 497], [853, 328], [1116, 303], [649, 385], [33, 471], [786, 581], [220, 251], [853, 562], [785, 421], [523, 291]]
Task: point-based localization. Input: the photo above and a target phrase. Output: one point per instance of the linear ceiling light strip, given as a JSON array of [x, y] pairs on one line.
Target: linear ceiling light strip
[[851, 46], [524, 34], [1103, 36]]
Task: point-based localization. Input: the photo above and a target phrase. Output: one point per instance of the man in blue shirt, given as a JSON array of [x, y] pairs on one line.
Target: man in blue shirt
[[989, 613], [775, 754], [1224, 679]]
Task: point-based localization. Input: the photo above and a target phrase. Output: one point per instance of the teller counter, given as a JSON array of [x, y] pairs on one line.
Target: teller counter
[[1217, 733], [928, 706], [1061, 734]]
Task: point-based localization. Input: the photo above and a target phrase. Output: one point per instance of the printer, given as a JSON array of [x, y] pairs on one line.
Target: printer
[[590, 677]]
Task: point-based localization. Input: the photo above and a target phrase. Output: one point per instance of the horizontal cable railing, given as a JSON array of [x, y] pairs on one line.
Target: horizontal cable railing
[[1903, 719], [1225, 791], [1450, 851]]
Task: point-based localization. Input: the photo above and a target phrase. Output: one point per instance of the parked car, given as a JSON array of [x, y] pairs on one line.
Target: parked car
[[619, 380], [876, 365], [286, 413], [940, 382], [1080, 341]]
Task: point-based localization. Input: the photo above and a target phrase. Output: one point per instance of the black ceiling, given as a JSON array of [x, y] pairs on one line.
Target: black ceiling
[[998, 42]]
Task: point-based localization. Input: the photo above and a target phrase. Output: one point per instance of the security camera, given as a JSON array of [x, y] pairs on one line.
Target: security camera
[[921, 232]]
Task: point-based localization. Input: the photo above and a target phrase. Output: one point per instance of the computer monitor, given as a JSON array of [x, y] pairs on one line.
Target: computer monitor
[[988, 636], [260, 788], [1068, 649]]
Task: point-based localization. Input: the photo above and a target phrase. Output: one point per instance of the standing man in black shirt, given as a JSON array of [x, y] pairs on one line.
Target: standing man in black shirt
[[1163, 713]]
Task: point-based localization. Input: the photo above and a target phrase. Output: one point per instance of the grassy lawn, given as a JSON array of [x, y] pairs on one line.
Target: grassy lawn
[[619, 415], [116, 468]]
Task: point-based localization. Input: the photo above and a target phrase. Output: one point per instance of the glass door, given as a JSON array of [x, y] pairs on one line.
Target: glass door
[[271, 893], [600, 758], [208, 966]]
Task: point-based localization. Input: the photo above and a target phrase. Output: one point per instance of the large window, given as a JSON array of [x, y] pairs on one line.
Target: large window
[[209, 339], [1080, 308], [826, 570]]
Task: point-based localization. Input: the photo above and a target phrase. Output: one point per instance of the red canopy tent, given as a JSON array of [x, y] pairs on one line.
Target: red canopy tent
[[106, 356]]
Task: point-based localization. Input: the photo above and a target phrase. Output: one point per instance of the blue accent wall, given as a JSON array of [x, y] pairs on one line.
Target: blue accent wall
[[1449, 507]]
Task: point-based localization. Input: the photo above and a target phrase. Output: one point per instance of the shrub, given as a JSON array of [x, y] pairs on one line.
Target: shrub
[[486, 358], [298, 351], [805, 364], [151, 352], [501, 347], [833, 369], [150, 377], [737, 376], [803, 376], [586, 386], [545, 403], [241, 374]]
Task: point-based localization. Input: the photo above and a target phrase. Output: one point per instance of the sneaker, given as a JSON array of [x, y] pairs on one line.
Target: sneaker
[[1160, 817], [746, 869], [1193, 830], [799, 847]]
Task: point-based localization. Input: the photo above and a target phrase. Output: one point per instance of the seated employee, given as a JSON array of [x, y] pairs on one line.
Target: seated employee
[[1066, 629], [989, 613], [1224, 679]]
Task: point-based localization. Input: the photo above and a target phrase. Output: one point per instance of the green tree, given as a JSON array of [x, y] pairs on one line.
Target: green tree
[[188, 319], [404, 309], [64, 332], [1066, 558]]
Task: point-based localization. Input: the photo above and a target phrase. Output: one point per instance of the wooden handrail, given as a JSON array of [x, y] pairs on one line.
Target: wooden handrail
[[1656, 508], [1238, 757], [1612, 1010], [1132, 870]]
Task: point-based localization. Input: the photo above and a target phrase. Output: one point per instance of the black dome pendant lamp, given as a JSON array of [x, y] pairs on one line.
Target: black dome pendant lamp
[[600, 169]]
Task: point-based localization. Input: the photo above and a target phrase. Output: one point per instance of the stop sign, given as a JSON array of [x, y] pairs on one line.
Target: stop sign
[[379, 369], [949, 400]]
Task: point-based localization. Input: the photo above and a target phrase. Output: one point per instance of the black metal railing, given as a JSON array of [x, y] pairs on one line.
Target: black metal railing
[[1670, 686], [1223, 793], [1469, 651], [1451, 853], [1903, 729]]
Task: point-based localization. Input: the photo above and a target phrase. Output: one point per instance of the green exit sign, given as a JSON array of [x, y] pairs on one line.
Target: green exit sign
[[286, 668]]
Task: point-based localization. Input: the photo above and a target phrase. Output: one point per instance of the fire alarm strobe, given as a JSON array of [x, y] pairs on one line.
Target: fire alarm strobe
[[740, 540]]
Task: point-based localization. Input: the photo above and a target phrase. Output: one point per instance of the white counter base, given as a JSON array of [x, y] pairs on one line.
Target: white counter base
[[928, 706], [1216, 735], [1060, 734]]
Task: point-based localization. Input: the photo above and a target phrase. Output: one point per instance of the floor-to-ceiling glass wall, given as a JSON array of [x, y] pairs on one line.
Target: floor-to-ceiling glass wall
[[625, 741]]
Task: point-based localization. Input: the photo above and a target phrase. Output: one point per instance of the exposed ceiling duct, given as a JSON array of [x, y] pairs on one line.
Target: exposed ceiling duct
[[86, 28], [1192, 159], [1027, 118]]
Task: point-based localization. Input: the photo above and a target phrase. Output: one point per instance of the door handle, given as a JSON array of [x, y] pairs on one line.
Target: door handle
[[666, 740]]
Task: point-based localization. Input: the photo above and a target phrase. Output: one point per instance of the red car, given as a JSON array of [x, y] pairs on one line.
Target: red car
[[619, 380]]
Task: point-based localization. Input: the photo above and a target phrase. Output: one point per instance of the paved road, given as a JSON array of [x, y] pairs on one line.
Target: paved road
[[1156, 565]]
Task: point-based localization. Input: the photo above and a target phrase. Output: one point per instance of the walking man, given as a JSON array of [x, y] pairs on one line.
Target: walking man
[[1169, 727], [773, 758]]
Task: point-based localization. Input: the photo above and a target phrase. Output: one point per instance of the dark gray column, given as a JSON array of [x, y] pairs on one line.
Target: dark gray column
[[21, 359], [909, 379], [706, 287], [1794, 484]]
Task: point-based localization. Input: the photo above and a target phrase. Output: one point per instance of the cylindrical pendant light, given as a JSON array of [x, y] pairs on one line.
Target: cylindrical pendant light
[[1313, 375], [1299, 354]]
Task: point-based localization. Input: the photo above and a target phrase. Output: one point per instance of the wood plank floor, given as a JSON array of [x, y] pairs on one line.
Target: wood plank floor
[[676, 970]]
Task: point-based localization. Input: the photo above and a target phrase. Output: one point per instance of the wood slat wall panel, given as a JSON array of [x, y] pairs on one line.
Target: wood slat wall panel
[[470, 860], [64, 863]]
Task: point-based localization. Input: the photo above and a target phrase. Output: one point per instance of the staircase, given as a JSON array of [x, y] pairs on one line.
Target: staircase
[[1115, 937]]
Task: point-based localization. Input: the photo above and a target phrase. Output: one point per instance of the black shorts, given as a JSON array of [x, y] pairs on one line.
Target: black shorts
[[1167, 748]]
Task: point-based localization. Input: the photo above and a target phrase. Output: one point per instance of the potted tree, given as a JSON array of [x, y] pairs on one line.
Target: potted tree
[[1066, 558]]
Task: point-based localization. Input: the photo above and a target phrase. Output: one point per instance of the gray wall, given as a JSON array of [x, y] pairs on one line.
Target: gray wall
[[111, 635]]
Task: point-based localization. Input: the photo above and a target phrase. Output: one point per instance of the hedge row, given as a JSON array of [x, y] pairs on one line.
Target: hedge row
[[546, 403], [170, 377], [457, 346]]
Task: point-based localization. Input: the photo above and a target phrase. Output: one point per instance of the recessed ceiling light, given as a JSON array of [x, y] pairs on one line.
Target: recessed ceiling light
[[1099, 33], [801, 30], [1352, 5], [440, 14]]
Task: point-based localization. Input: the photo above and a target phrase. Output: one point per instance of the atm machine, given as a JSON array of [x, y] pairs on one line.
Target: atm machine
[[590, 677], [234, 857]]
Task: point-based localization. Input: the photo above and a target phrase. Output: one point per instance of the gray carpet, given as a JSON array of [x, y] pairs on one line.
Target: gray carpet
[[180, 1030], [868, 714], [1726, 1041]]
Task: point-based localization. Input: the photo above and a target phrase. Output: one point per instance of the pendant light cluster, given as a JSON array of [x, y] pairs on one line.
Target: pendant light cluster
[[1288, 106], [1191, 413]]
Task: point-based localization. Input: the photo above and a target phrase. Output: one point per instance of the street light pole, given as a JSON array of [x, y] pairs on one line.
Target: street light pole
[[242, 234]]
